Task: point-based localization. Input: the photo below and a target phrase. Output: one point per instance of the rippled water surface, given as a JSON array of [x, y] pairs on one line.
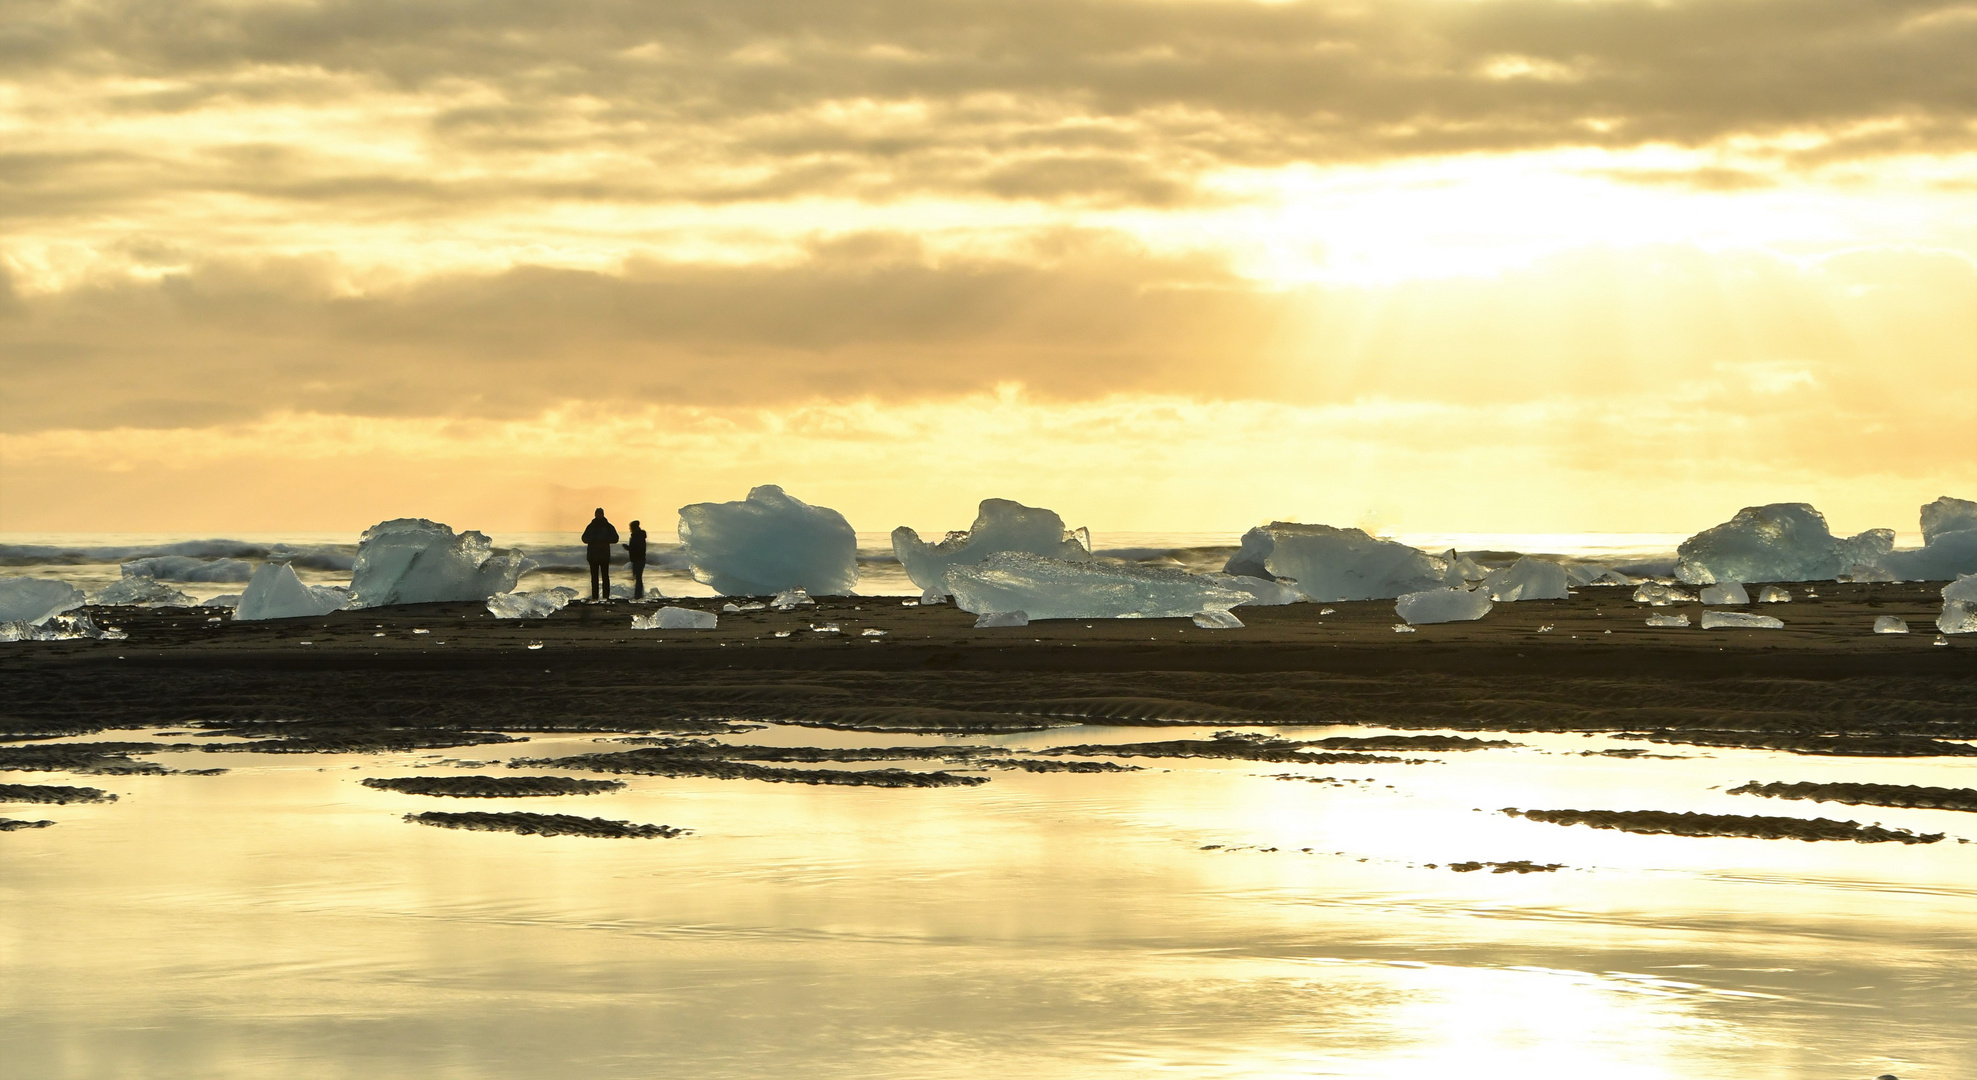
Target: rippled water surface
[[283, 920]]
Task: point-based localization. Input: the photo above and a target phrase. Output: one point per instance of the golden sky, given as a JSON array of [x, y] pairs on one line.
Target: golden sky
[[1491, 265]]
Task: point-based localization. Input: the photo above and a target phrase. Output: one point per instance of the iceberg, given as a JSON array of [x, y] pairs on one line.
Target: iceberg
[[186, 568], [275, 592], [1778, 542], [1739, 620], [33, 600], [1527, 579], [1331, 564], [767, 543], [1725, 592], [415, 561], [1659, 595], [1441, 605], [141, 590], [1000, 525], [1218, 620], [1890, 624], [1945, 516], [540, 604], [1047, 588], [989, 620], [676, 618], [1668, 621]]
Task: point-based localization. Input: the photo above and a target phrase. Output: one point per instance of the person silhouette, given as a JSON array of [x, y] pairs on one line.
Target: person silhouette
[[597, 540], [636, 550]]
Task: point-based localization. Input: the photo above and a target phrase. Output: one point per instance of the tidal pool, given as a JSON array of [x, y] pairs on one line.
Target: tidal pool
[[1196, 918]]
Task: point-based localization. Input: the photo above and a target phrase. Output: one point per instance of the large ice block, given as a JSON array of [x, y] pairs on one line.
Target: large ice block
[[1527, 579], [767, 543], [275, 592], [1441, 605], [1331, 564], [1046, 588], [1777, 542], [33, 600], [141, 590], [1000, 525], [415, 561]]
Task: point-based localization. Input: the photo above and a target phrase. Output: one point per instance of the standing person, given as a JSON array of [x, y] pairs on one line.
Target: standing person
[[636, 549], [597, 541]]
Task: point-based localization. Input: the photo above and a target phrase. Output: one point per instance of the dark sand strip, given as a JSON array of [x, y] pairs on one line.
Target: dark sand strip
[[52, 794], [1825, 745], [491, 787], [11, 824], [1905, 796], [546, 825], [1665, 823]]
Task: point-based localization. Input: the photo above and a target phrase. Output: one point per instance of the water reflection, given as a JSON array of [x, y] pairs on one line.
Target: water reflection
[[283, 920]]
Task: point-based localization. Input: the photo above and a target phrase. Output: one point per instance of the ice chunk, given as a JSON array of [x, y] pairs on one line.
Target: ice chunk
[[275, 592], [1772, 594], [1739, 620], [1218, 620], [186, 568], [767, 543], [1778, 542], [1947, 515], [1958, 617], [1668, 621], [225, 600], [1945, 556], [1331, 564], [1055, 589], [1441, 605], [1725, 592], [933, 596], [1890, 624], [790, 600], [1527, 579], [33, 600], [59, 628], [1000, 525], [1594, 574], [415, 561], [141, 590], [540, 604], [990, 619], [1659, 595], [1461, 569], [676, 618], [1963, 588], [1263, 592]]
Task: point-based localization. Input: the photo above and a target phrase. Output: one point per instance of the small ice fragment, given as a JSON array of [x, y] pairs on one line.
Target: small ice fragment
[[422, 631], [1218, 620], [871, 631], [1940, 640], [1659, 595], [380, 633], [1772, 594], [1001, 618], [1890, 624], [1725, 592], [1402, 628], [826, 628], [1668, 620], [790, 600], [909, 603], [1546, 628], [1958, 617], [1327, 611], [1739, 620], [215, 619], [530, 605], [784, 633], [676, 618], [933, 596], [730, 608], [1443, 605]]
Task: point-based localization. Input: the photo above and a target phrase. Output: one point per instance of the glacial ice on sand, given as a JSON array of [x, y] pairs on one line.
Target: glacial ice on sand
[[1963, 588], [1724, 593], [1670, 621], [141, 590], [1777, 542], [1772, 594], [1441, 605], [415, 561], [769, 542], [1263, 592], [59, 628], [187, 568], [676, 618], [1890, 624], [989, 620], [1331, 564], [1048, 588], [33, 600], [1594, 574], [1660, 595], [539, 604], [790, 600], [1218, 620], [1000, 525], [1461, 569], [1739, 620], [1958, 617], [1527, 579], [275, 592]]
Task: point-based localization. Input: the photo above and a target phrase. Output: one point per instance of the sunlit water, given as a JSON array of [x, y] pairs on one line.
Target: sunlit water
[[283, 921]]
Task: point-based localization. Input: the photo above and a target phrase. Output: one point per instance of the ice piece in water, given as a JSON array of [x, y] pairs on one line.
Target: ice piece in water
[[1739, 620], [1669, 620], [989, 619], [1331, 564], [415, 561], [1047, 588], [530, 605], [1947, 515], [1442, 605], [1527, 579], [1218, 620], [769, 542], [1659, 595], [1263, 592], [275, 592], [141, 590], [790, 600], [187, 568], [1725, 592], [1461, 569], [1890, 624], [1000, 525], [224, 600], [33, 600], [1777, 542], [1772, 594], [676, 618]]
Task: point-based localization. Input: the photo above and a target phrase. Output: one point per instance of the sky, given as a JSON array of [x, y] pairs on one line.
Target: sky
[[1416, 265]]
